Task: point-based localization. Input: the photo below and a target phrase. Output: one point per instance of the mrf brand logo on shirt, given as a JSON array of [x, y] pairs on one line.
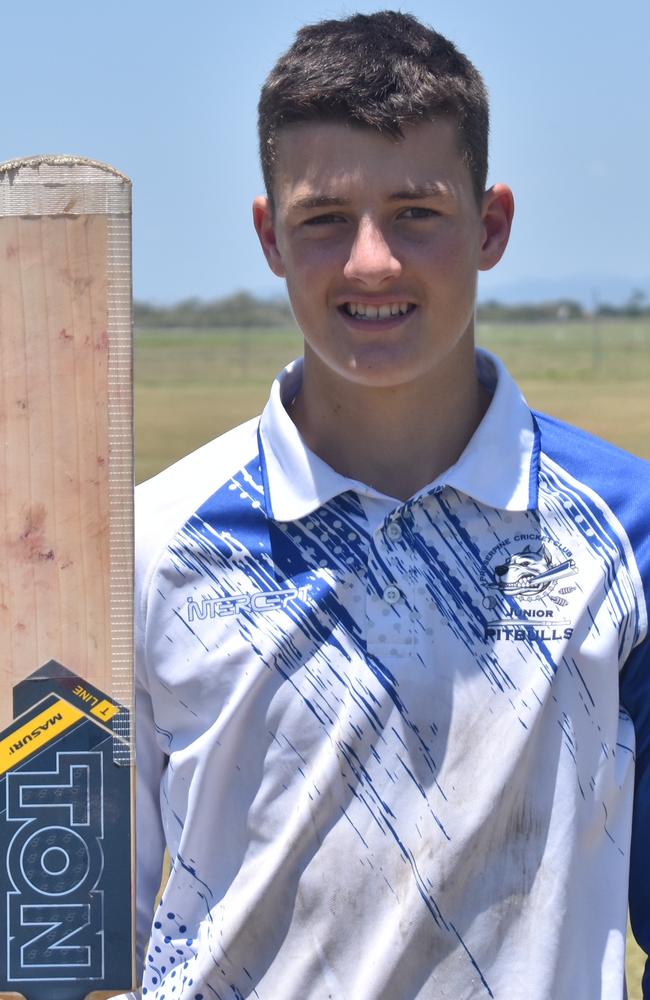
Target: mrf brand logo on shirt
[[519, 577], [262, 601]]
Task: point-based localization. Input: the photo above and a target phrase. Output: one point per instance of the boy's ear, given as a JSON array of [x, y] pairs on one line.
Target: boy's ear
[[265, 229], [496, 215]]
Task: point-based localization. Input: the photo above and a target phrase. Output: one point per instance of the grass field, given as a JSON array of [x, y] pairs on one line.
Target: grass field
[[192, 386]]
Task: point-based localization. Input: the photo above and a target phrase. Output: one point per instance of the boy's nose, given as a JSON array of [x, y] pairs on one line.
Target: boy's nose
[[371, 259]]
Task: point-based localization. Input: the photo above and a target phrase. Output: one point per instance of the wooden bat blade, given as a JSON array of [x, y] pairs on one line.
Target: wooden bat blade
[[66, 476]]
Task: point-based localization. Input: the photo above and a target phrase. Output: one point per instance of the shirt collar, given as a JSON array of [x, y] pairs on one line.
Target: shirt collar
[[499, 467]]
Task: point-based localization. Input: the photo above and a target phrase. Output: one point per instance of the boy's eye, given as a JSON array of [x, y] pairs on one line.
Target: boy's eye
[[323, 220], [418, 212]]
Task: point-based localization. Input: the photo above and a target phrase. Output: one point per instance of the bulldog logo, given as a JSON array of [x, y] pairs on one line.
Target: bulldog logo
[[531, 574]]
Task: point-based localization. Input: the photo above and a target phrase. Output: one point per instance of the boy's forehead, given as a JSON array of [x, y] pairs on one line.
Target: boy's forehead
[[322, 157]]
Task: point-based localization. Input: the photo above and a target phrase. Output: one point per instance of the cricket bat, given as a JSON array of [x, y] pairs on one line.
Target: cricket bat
[[66, 524]]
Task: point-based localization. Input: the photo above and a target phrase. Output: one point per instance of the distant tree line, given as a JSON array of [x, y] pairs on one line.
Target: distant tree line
[[492, 311], [246, 310], [241, 309]]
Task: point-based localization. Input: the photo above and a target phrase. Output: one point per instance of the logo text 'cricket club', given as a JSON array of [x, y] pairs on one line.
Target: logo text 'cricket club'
[[522, 580], [262, 601], [55, 861]]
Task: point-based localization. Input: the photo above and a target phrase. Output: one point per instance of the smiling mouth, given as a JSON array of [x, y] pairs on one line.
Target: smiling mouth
[[366, 311]]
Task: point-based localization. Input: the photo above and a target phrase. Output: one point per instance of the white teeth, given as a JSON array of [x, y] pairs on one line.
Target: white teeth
[[376, 312]]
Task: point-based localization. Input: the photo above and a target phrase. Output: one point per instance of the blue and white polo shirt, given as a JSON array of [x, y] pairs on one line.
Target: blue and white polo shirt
[[391, 745]]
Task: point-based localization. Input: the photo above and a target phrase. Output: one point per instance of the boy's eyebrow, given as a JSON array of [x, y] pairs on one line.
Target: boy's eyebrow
[[412, 193], [416, 191], [319, 201]]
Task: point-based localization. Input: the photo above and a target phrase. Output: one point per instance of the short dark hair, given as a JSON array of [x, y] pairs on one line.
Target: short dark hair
[[383, 71]]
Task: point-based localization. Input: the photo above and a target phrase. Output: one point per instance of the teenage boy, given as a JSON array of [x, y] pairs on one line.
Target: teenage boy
[[392, 636]]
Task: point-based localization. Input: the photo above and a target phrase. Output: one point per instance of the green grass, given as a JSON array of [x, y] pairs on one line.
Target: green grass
[[192, 386], [588, 351], [635, 961], [594, 376]]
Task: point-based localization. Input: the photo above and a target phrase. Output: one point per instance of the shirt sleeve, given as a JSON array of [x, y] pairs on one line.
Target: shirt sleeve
[[151, 761], [635, 696], [150, 839]]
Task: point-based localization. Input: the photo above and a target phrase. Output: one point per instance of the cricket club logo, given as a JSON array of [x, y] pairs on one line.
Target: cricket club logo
[[530, 574], [527, 589]]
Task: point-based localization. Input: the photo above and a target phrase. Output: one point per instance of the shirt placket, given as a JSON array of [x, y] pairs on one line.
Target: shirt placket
[[389, 588]]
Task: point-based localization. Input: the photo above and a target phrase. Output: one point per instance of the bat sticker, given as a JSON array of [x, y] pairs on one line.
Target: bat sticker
[[64, 785]]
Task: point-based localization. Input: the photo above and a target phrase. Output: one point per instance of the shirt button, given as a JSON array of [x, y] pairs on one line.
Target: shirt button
[[393, 530], [392, 595]]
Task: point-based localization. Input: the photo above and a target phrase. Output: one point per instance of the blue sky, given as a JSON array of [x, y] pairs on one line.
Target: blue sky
[[168, 92]]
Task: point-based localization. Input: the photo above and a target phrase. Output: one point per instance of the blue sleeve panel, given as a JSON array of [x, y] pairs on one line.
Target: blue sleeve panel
[[623, 482], [635, 695]]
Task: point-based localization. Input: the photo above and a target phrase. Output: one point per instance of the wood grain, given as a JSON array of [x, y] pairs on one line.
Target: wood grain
[[54, 462]]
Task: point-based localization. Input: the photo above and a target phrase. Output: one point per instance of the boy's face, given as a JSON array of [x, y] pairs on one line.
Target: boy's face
[[380, 242]]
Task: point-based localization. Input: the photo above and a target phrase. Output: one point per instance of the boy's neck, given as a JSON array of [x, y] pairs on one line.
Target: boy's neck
[[395, 439]]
